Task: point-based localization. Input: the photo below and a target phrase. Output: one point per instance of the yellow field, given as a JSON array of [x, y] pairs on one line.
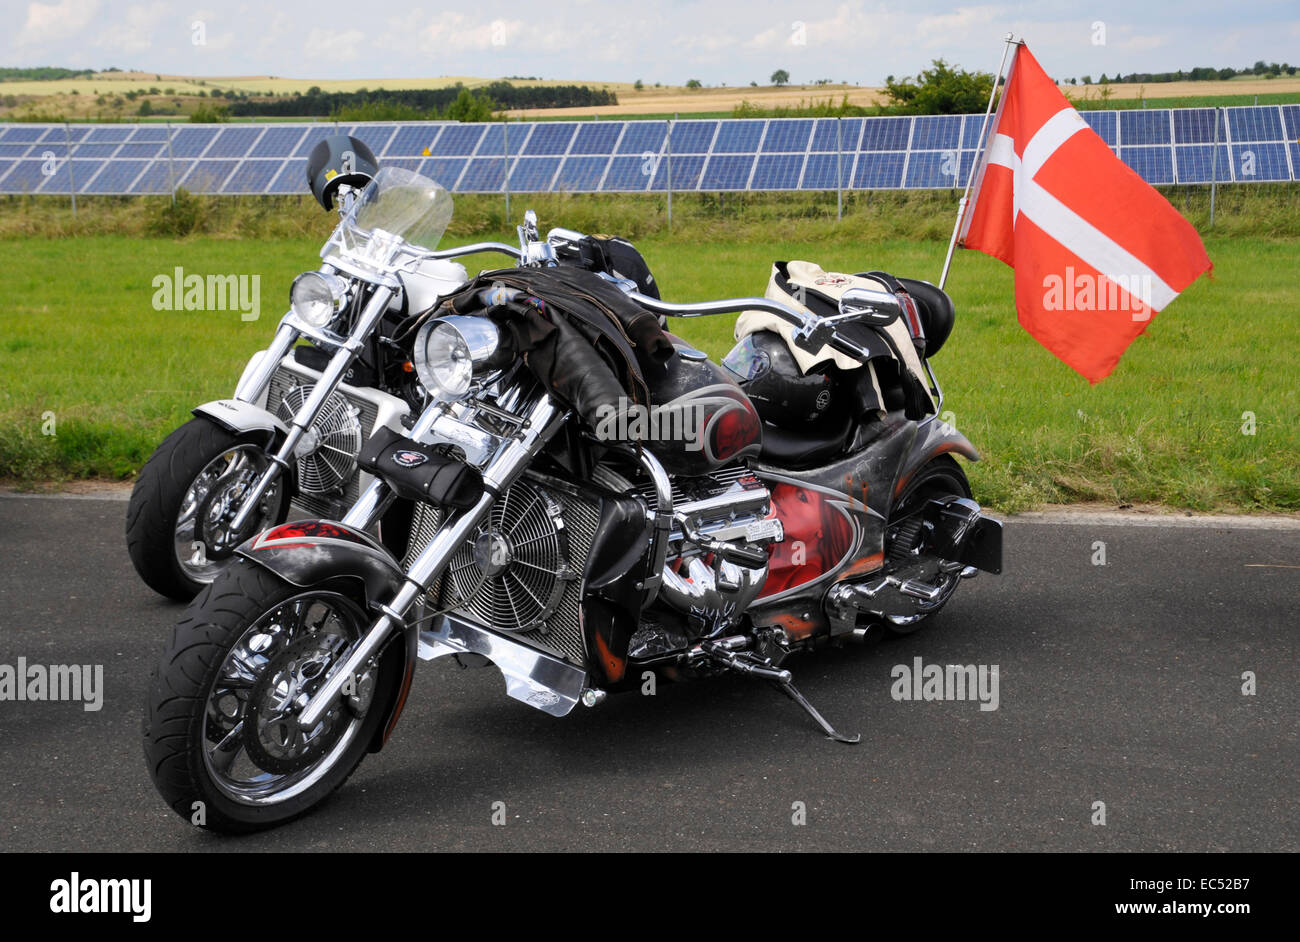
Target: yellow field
[[77, 97], [1245, 85], [117, 83]]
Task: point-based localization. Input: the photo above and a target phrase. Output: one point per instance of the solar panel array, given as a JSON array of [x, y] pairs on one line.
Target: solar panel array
[[925, 152]]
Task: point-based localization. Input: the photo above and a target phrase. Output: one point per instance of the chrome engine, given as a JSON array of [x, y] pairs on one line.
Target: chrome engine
[[521, 571], [716, 558]]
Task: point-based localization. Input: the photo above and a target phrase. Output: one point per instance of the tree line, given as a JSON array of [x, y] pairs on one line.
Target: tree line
[[41, 74], [1203, 73], [428, 101]]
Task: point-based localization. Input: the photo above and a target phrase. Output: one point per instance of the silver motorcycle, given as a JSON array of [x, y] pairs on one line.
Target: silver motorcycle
[[334, 372]]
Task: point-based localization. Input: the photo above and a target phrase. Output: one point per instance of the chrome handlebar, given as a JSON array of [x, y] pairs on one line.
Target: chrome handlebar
[[472, 249], [812, 333]]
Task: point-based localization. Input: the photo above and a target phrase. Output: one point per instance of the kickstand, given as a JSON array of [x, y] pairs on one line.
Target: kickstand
[[788, 688], [745, 663]]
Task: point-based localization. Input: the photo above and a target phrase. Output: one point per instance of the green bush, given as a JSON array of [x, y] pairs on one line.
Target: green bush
[[941, 89], [215, 114], [178, 218]]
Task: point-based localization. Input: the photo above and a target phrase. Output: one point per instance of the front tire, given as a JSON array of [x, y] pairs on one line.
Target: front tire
[[220, 733], [196, 472]]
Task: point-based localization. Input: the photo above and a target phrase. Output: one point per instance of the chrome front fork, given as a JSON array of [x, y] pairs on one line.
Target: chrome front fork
[[252, 386], [542, 422], [323, 389]]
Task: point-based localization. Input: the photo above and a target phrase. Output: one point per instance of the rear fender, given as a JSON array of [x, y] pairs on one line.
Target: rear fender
[[934, 437], [310, 552]]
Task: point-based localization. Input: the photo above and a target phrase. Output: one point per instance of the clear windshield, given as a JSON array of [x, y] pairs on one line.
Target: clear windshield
[[398, 207]]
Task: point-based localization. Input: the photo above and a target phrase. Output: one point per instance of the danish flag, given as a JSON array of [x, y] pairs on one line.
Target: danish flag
[[1096, 250]]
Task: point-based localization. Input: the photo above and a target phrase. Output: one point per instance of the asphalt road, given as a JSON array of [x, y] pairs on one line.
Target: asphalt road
[[1119, 684]]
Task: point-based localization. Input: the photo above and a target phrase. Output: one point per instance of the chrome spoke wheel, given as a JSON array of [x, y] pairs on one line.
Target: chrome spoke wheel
[[253, 749], [202, 539]]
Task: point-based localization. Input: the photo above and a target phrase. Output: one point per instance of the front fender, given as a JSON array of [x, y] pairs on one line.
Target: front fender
[[242, 418], [310, 552]]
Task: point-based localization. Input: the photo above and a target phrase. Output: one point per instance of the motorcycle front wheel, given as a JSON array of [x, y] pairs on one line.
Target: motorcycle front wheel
[[221, 736], [177, 529]]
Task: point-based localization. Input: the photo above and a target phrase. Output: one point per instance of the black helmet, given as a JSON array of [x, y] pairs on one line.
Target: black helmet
[[336, 160], [782, 393]]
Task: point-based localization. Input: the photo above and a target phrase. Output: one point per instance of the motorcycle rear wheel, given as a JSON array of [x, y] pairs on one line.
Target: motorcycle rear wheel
[[197, 467], [942, 477], [220, 734]]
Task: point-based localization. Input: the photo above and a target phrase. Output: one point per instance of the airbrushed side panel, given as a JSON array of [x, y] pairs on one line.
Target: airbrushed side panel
[[852, 496], [706, 419]]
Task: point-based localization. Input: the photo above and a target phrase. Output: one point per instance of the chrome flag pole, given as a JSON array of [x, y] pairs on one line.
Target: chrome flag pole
[[1007, 43]]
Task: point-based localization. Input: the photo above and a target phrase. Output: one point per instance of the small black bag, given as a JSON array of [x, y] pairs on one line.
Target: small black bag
[[616, 256], [421, 472]]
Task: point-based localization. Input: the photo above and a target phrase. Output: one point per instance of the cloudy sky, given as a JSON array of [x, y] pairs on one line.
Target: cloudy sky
[[717, 42]]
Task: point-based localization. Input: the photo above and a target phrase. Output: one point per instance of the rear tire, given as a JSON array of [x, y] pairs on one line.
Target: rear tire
[[942, 477], [207, 685], [159, 496]]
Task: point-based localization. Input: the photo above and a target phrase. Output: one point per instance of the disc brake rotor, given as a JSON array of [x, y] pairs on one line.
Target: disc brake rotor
[[271, 734], [215, 513]]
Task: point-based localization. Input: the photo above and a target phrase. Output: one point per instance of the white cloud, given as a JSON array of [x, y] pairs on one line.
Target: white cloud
[[848, 26], [451, 30], [960, 20], [134, 32], [274, 33], [51, 22], [215, 40], [324, 46], [1142, 42], [619, 40]]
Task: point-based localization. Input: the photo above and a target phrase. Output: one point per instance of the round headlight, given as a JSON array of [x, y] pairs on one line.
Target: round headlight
[[450, 349], [317, 297]]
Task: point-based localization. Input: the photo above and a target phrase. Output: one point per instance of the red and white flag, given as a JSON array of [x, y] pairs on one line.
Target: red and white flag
[[1095, 248]]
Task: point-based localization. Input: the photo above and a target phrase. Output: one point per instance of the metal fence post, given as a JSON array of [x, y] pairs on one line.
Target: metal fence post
[[1214, 165], [505, 163], [171, 172], [671, 125], [839, 169], [72, 180]]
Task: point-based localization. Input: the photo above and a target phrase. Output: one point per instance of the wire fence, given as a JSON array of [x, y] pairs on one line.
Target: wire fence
[[928, 152]]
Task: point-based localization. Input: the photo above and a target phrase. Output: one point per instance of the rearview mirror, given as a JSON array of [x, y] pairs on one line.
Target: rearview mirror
[[869, 306]]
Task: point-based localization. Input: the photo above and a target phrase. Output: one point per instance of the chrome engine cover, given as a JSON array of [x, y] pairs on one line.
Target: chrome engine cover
[[730, 507]]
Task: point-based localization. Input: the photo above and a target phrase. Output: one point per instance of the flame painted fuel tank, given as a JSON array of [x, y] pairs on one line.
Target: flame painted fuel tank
[[701, 417]]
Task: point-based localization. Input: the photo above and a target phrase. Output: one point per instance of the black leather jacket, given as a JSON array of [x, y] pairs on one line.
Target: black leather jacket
[[584, 339]]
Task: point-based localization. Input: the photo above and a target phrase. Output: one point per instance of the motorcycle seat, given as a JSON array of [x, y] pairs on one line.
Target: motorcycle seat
[[808, 446]]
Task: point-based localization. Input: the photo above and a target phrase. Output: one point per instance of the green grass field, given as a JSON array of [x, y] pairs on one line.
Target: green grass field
[[83, 346]]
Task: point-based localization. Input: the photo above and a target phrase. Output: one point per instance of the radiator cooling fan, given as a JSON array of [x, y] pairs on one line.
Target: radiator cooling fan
[[327, 454], [511, 573]]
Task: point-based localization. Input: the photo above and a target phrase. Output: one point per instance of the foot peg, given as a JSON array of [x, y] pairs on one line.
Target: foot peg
[[745, 663]]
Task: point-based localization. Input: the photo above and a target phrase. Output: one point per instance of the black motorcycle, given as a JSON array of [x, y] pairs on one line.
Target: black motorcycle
[[584, 501]]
